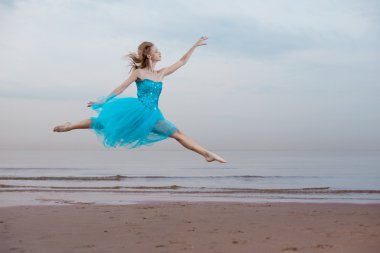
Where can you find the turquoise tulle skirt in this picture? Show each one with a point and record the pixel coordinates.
(127, 122)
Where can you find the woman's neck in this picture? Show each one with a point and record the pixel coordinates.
(151, 67)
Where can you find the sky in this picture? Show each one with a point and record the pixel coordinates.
(276, 74)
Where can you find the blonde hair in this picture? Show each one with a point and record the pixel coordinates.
(140, 59)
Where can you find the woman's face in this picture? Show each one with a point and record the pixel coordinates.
(155, 54)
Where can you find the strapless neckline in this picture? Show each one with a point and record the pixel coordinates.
(141, 80)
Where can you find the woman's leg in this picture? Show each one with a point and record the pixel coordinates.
(192, 145)
(84, 124)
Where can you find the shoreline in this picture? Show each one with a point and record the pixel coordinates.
(192, 226)
(46, 198)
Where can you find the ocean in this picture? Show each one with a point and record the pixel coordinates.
(121, 176)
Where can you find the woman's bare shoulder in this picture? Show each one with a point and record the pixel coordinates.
(138, 73)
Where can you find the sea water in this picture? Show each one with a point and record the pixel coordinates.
(120, 176)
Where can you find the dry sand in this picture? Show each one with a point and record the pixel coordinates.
(191, 226)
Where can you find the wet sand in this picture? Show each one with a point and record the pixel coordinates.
(192, 226)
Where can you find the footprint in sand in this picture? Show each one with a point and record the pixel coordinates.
(237, 241)
(87, 246)
(323, 246)
(14, 248)
(215, 230)
(289, 249)
(308, 230)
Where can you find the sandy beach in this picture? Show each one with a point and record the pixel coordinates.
(192, 226)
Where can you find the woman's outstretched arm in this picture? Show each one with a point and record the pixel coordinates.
(169, 70)
(118, 90)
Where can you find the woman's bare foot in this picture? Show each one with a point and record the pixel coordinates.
(214, 157)
(62, 128)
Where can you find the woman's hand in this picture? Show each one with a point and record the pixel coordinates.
(200, 42)
(185, 58)
(89, 104)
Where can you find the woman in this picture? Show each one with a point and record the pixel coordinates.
(133, 122)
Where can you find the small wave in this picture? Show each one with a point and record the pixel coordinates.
(97, 178)
(184, 189)
(120, 177)
(95, 187)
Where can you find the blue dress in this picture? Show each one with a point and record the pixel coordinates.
(132, 122)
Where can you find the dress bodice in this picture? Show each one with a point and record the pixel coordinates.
(148, 92)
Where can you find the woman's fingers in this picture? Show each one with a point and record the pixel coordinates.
(200, 41)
